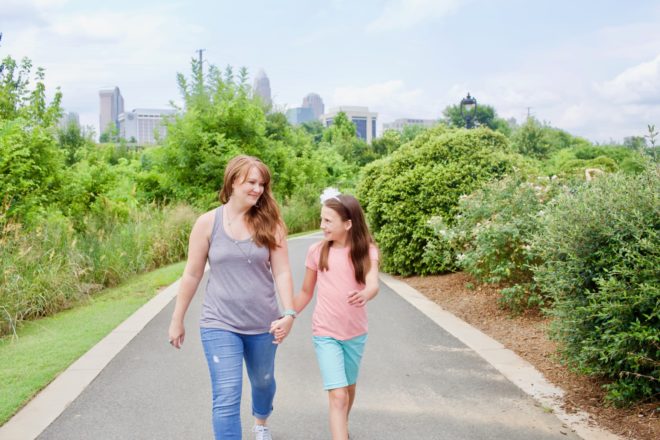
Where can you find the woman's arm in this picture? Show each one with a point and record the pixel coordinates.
(281, 270)
(198, 249)
(359, 298)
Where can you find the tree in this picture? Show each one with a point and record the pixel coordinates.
(485, 116)
(71, 140)
(389, 142)
(30, 160)
(315, 129)
(17, 100)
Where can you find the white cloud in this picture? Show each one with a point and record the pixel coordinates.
(639, 84)
(404, 14)
(390, 99)
(139, 50)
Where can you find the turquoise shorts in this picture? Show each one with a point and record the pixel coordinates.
(339, 360)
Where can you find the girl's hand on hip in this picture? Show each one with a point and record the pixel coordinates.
(358, 298)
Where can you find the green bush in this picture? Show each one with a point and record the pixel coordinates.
(492, 234)
(601, 252)
(423, 179)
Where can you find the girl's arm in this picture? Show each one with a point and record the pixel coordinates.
(306, 292)
(299, 303)
(198, 249)
(359, 298)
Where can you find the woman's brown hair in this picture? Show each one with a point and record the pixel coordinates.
(359, 237)
(264, 218)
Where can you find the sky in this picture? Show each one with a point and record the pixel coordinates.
(589, 67)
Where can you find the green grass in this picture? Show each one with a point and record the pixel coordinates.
(300, 234)
(46, 347)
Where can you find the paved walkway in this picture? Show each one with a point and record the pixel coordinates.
(418, 381)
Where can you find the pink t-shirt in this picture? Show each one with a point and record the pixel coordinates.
(333, 316)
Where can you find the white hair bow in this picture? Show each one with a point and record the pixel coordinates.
(329, 193)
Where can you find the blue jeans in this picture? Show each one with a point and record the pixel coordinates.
(225, 352)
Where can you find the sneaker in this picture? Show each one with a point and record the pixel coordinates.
(262, 433)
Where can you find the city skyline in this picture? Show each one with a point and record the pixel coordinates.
(590, 68)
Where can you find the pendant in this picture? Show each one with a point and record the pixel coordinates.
(249, 261)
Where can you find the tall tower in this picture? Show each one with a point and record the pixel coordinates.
(314, 102)
(262, 87)
(111, 105)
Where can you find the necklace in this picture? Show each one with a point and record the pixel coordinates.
(247, 254)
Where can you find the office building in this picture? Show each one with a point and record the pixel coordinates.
(262, 87)
(314, 102)
(364, 120)
(111, 106)
(298, 115)
(68, 118)
(144, 126)
(399, 124)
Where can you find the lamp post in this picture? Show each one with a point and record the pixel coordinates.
(469, 110)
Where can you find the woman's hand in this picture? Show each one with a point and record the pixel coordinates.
(177, 333)
(280, 329)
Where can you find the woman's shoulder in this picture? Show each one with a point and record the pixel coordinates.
(208, 217)
(205, 222)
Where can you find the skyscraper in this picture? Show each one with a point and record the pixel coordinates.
(314, 102)
(111, 106)
(262, 87)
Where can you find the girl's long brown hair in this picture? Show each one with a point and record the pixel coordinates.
(264, 218)
(359, 237)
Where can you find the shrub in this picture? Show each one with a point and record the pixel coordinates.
(601, 253)
(422, 179)
(492, 236)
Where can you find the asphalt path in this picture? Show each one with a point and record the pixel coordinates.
(417, 382)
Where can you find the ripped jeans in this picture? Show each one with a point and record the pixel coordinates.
(225, 352)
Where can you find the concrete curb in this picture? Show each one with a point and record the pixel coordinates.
(41, 411)
(517, 370)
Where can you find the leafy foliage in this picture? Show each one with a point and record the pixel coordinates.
(492, 235)
(540, 140)
(600, 252)
(423, 179)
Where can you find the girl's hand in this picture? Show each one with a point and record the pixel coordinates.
(177, 334)
(280, 329)
(358, 298)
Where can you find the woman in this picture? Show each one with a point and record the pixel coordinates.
(244, 242)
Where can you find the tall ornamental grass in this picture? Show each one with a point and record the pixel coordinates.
(52, 266)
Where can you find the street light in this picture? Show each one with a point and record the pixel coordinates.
(469, 110)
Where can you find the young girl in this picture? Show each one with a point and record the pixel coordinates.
(344, 265)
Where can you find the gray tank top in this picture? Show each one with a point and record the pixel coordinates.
(240, 292)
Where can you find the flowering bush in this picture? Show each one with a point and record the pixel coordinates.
(492, 234)
(599, 248)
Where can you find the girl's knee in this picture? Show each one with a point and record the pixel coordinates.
(339, 398)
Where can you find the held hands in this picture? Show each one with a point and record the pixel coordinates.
(280, 328)
(358, 298)
(177, 334)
